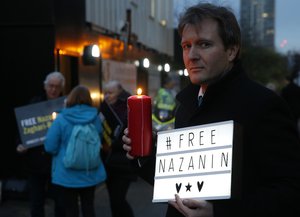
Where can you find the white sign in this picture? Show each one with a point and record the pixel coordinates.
(194, 162)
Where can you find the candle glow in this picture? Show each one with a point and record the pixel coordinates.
(54, 114)
(139, 91)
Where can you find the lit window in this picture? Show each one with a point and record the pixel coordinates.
(152, 8)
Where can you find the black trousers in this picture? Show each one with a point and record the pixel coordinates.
(39, 189)
(75, 196)
(117, 189)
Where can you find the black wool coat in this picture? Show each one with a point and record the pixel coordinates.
(116, 162)
(37, 160)
(270, 178)
(291, 93)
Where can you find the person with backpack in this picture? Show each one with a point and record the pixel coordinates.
(73, 140)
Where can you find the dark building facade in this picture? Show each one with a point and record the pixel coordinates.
(42, 36)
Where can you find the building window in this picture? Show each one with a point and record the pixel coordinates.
(152, 9)
(265, 15)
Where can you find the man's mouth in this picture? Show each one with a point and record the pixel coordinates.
(196, 69)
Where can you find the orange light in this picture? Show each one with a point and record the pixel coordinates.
(139, 91)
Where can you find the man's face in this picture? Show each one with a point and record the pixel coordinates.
(53, 88)
(111, 94)
(204, 54)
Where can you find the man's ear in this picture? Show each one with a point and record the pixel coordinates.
(232, 52)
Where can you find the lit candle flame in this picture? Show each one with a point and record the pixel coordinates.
(139, 91)
(54, 114)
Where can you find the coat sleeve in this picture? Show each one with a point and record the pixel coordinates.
(278, 162)
(271, 183)
(53, 137)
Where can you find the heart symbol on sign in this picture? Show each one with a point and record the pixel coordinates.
(178, 186)
(200, 185)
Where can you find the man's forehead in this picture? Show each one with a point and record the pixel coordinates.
(201, 22)
(112, 89)
(54, 81)
(207, 26)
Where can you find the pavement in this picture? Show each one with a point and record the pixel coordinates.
(139, 196)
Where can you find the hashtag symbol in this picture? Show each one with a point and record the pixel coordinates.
(168, 143)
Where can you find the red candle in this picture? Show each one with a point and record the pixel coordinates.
(140, 124)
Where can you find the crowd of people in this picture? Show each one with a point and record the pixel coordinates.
(211, 44)
(47, 174)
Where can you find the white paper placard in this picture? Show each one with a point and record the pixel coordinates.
(194, 162)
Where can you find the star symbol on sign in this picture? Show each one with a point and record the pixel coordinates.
(188, 187)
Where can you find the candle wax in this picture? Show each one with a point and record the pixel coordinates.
(140, 125)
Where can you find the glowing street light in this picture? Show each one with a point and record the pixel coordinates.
(146, 63)
(167, 67)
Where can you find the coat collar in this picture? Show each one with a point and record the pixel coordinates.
(189, 94)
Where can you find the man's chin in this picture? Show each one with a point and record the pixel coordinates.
(52, 97)
(197, 81)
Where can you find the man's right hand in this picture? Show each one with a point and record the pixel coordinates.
(126, 145)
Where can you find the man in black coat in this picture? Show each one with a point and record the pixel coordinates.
(38, 162)
(291, 93)
(211, 41)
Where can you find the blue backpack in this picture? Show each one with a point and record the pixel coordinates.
(83, 149)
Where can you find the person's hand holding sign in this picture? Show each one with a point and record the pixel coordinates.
(21, 148)
(192, 208)
(188, 207)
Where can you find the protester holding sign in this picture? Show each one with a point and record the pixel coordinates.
(38, 162)
(120, 172)
(76, 180)
(270, 156)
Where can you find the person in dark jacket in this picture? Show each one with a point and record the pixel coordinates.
(38, 162)
(211, 41)
(291, 93)
(120, 172)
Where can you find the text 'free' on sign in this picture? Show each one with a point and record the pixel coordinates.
(194, 162)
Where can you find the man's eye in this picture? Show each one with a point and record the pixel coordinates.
(185, 46)
(205, 45)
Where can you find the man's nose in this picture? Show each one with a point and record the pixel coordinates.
(194, 53)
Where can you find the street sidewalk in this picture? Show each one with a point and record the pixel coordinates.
(139, 196)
